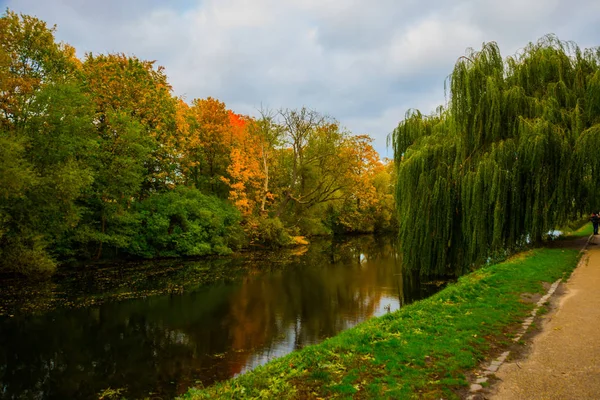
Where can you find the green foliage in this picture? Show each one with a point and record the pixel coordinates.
(118, 170)
(271, 232)
(15, 173)
(27, 256)
(512, 157)
(126, 87)
(110, 393)
(577, 229)
(311, 224)
(45, 135)
(184, 222)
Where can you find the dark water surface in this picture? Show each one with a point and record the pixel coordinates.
(154, 329)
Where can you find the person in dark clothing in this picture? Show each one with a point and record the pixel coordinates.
(595, 218)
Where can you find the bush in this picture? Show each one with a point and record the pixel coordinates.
(26, 257)
(270, 232)
(185, 222)
(313, 226)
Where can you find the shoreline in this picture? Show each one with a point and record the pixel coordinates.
(426, 349)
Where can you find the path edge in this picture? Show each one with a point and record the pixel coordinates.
(476, 387)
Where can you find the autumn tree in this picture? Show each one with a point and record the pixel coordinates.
(269, 134)
(128, 121)
(136, 89)
(245, 174)
(45, 136)
(99, 155)
(30, 59)
(207, 153)
(368, 203)
(315, 175)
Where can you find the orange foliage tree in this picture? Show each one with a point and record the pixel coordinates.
(245, 175)
(206, 153)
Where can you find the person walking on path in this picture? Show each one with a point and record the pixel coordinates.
(595, 218)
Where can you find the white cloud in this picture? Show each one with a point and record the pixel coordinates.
(430, 43)
(363, 62)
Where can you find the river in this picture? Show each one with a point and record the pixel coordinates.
(154, 329)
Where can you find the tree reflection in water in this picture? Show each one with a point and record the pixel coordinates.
(163, 344)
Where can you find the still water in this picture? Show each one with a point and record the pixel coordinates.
(155, 329)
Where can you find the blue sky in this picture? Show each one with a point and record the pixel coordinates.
(363, 62)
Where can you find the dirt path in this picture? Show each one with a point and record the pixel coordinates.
(564, 359)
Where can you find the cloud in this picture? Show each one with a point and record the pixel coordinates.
(362, 62)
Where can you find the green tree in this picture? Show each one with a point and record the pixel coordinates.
(315, 163)
(124, 86)
(135, 124)
(513, 156)
(45, 134)
(120, 172)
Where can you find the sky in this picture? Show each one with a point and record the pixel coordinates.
(362, 62)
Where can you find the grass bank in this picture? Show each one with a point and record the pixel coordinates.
(421, 351)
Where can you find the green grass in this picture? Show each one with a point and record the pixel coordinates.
(578, 229)
(422, 351)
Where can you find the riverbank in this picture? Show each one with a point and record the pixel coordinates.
(157, 346)
(96, 284)
(425, 350)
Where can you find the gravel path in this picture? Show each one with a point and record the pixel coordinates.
(564, 360)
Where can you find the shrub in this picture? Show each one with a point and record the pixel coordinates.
(28, 257)
(270, 232)
(185, 222)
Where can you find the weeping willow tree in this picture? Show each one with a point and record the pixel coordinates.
(514, 154)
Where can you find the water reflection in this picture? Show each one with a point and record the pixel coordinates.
(161, 345)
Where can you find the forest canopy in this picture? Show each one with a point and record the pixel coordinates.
(98, 158)
(513, 155)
